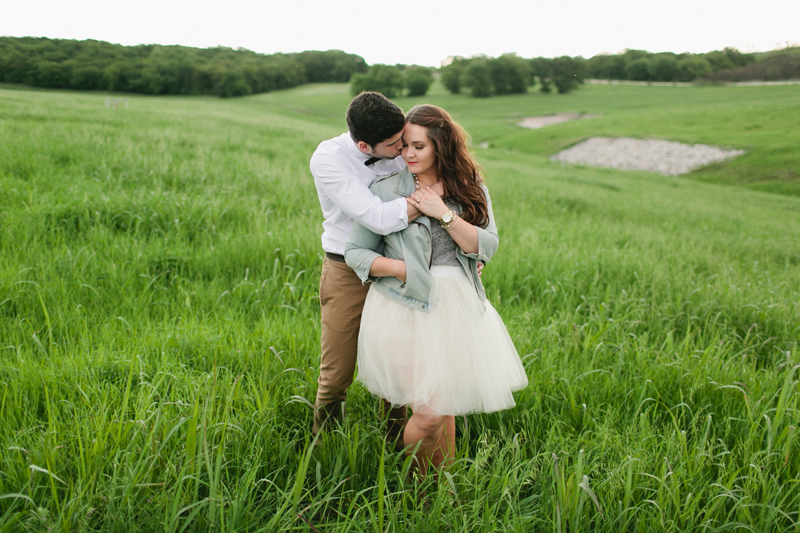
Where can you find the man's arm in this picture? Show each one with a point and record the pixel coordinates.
(335, 178)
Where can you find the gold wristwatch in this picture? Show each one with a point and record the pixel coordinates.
(448, 219)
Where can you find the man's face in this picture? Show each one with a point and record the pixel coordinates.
(390, 148)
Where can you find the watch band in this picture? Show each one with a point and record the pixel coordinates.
(453, 218)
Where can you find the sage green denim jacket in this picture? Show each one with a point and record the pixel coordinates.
(412, 245)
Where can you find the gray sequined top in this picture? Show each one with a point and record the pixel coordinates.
(444, 247)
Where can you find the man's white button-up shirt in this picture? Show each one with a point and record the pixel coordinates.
(342, 180)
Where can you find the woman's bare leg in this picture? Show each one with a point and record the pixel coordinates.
(436, 437)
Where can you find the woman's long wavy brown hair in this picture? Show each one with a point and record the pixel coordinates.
(460, 174)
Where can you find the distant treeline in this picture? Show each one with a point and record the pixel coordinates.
(509, 74)
(718, 66)
(482, 76)
(154, 69)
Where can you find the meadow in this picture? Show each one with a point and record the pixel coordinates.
(159, 314)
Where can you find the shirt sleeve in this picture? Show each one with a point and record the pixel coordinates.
(339, 183)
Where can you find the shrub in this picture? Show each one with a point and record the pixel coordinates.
(782, 65)
(418, 80)
(478, 77)
(779, 65)
(384, 79)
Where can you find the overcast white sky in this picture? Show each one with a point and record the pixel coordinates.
(423, 32)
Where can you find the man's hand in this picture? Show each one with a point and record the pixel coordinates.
(480, 268)
(413, 212)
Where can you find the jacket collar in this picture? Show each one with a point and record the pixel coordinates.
(405, 183)
(405, 187)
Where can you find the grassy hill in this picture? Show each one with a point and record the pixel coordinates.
(159, 315)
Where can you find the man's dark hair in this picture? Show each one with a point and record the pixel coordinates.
(373, 118)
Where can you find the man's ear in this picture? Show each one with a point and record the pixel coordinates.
(364, 147)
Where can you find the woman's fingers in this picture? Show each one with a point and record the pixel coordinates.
(428, 201)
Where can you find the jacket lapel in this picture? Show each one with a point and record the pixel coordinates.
(405, 183)
(405, 187)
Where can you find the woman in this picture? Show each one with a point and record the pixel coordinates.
(429, 338)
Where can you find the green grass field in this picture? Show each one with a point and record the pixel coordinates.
(159, 321)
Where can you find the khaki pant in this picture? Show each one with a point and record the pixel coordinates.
(341, 297)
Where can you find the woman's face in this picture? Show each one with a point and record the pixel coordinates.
(418, 153)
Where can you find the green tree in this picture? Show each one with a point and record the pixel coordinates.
(418, 80)
(662, 67)
(385, 79)
(718, 60)
(630, 55)
(86, 78)
(737, 58)
(330, 66)
(543, 70)
(510, 74)
(567, 73)
(607, 67)
(691, 68)
(153, 69)
(231, 82)
(638, 70)
(478, 78)
(453, 74)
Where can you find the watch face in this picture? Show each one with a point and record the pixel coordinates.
(446, 218)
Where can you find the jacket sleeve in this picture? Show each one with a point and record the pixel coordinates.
(360, 251)
(487, 237)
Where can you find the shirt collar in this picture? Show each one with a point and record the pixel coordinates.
(352, 146)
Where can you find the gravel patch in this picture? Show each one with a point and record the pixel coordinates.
(651, 155)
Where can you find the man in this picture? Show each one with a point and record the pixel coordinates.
(343, 169)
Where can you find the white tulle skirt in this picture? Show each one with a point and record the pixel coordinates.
(452, 360)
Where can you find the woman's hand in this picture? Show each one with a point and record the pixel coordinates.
(429, 202)
(384, 267)
(400, 270)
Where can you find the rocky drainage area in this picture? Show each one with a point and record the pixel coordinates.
(650, 155)
(625, 153)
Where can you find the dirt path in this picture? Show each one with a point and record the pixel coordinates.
(535, 123)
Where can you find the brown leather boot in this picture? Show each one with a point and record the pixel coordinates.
(326, 415)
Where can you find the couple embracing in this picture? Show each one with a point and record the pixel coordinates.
(408, 225)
